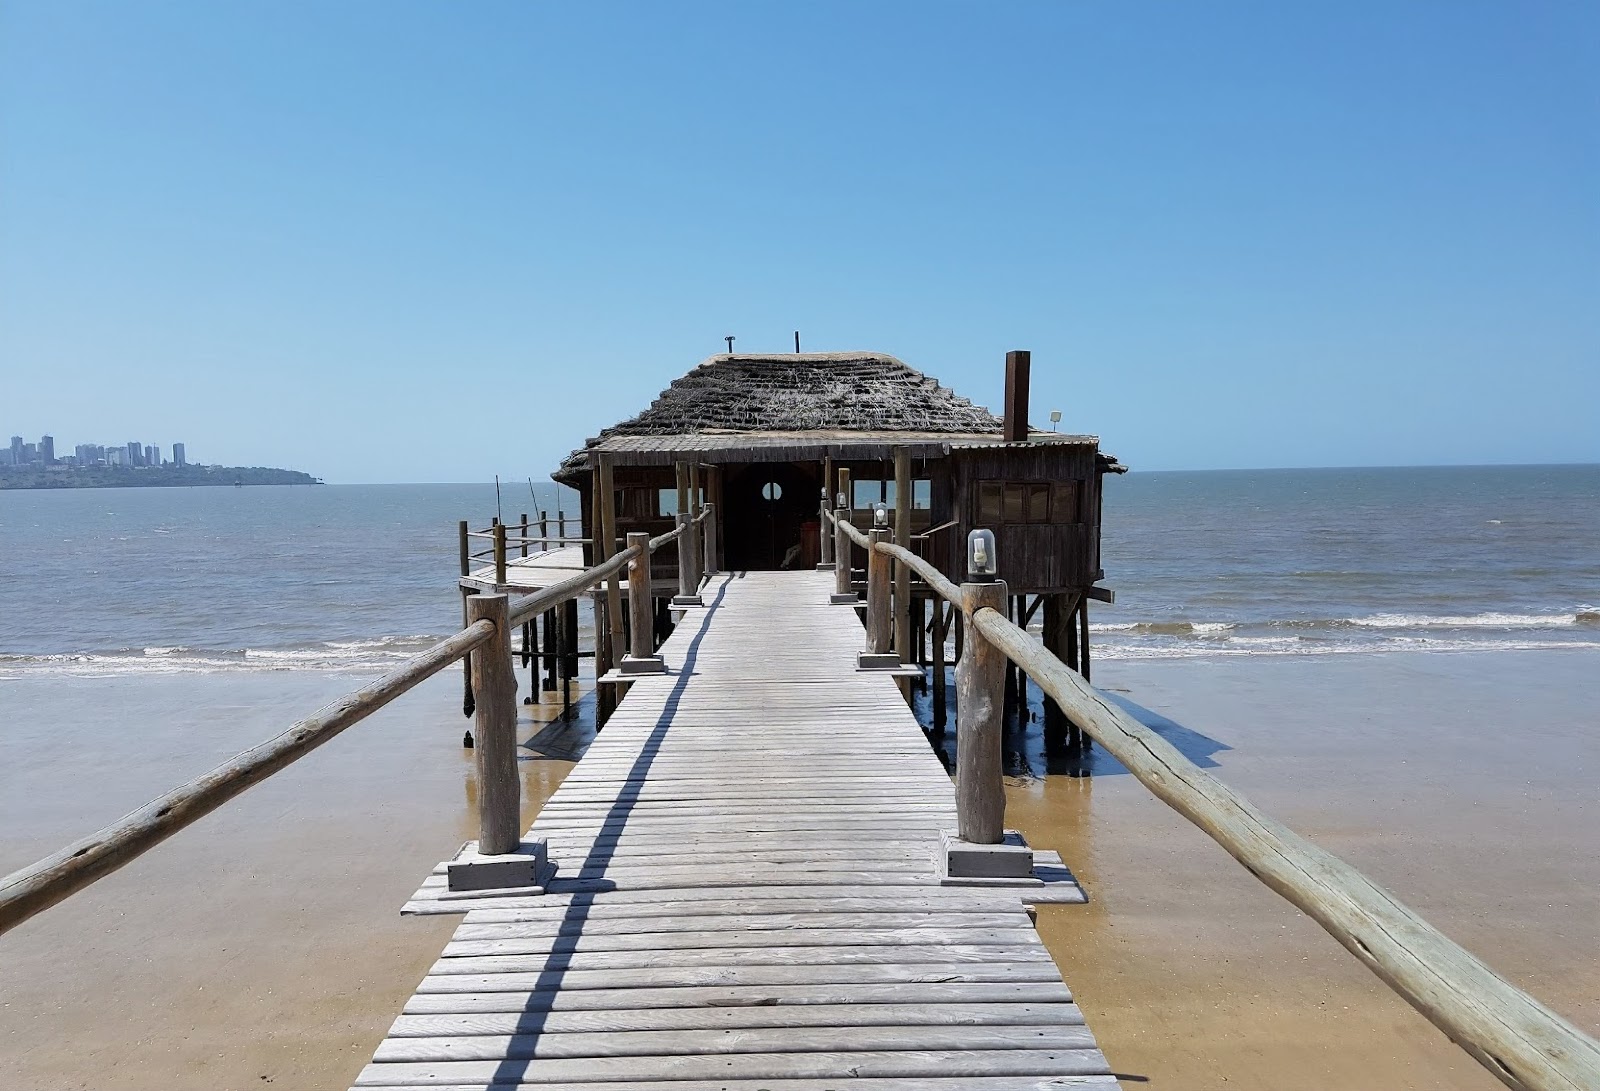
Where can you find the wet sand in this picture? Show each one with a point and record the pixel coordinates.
(1462, 783)
(263, 946)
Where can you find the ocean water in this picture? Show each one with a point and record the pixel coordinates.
(1220, 563)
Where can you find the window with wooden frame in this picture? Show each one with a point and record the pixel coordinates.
(1022, 502)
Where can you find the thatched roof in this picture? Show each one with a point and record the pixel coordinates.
(840, 395)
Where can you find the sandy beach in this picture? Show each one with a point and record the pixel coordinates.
(264, 947)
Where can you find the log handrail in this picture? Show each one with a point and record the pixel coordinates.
(32, 889)
(36, 887)
(1522, 1042)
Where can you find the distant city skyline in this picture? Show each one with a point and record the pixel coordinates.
(131, 455)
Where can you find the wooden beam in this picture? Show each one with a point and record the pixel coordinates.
(878, 594)
(493, 680)
(1016, 410)
(902, 538)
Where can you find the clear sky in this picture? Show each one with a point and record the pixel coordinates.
(389, 241)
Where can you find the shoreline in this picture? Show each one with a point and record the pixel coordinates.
(265, 943)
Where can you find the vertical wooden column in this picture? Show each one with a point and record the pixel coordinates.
(599, 501)
(1083, 638)
(544, 531)
(467, 703)
(714, 496)
(980, 682)
(608, 512)
(825, 539)
(841, 555)
(939, 700)
(695, 508)
(641, 622)
(548, 648)
(569, 658)
(902, 573)
(500, 554)
(710, 562)
(1060, 640)
(499, 787)
(877, 594)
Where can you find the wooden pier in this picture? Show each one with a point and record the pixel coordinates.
(762, 875)
(746, 891)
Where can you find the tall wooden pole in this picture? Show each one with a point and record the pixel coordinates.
(877, 593)
(939, 699)
(467, 704)
(824, 539)
(841, 552)
(500, 554)
(604, 696)
(641, 621)
(499, 788)
(710, 562)
(608, 512)
(902, 538)
(980, 687)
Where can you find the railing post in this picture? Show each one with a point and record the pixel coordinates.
(466, 660)
(842, 592)
(499, 788)
(824, 536)
(902, 574)
(688, 584)
(980, 688)
(641, 657)
(500, 554)
(524, 535)
(877, 593)
(544, 531)
(712, 563)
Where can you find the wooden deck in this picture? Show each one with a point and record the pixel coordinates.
(746, 897)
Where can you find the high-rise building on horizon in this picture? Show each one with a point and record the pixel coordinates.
(16, 450)
(152, 455)
(180, 457)
(47, 450)
(135, 453)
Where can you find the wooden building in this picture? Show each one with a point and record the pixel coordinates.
(768, 438)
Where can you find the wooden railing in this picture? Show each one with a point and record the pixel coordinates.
(484, 642)
(1518, 1039)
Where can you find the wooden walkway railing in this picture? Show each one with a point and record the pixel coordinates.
(1518, 1039)
(485, 642)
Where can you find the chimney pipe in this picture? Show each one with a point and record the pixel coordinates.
(1016, 418)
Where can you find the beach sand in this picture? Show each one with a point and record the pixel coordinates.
(263, 946)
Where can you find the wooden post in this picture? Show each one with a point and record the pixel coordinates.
(467, 704)
(902, 538)
(695, 508)
(1060, 641)
(980, 681)
(526, 526)
(841, 552)
(824, 539)
(1083, 637)
(877, 594)
(686, 585)
(714, 497)
(561, 524)
(599, 501)
(608, 514)
(938, 664)
(548, 648)
(641, 623)
(709, 553)
(500, 554)
(499, 787)
(544, 531)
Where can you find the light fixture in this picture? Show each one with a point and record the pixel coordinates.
(1055, 419)
(838, 501)
(880, 514)
(982, 565)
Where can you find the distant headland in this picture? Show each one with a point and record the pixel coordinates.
(119, 466)
(116, 477)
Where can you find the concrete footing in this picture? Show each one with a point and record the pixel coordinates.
(1011, 859)
(642, 664)
(472, 870)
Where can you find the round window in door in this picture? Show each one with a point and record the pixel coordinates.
(772, 490)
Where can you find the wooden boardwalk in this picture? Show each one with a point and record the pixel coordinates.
(746, 897)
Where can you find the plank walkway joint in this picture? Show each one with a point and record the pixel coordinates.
(746, 896)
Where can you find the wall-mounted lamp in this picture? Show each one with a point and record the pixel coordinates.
(839, 501)
(880, 514)
(982, 565)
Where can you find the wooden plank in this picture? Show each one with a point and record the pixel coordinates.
(747, 1066)
(731, 1018)
(711, 1043)
(965, 1083)
(564, 957)
(705, 997)
(668, 977)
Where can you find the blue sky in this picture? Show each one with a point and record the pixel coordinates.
(434, 242)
